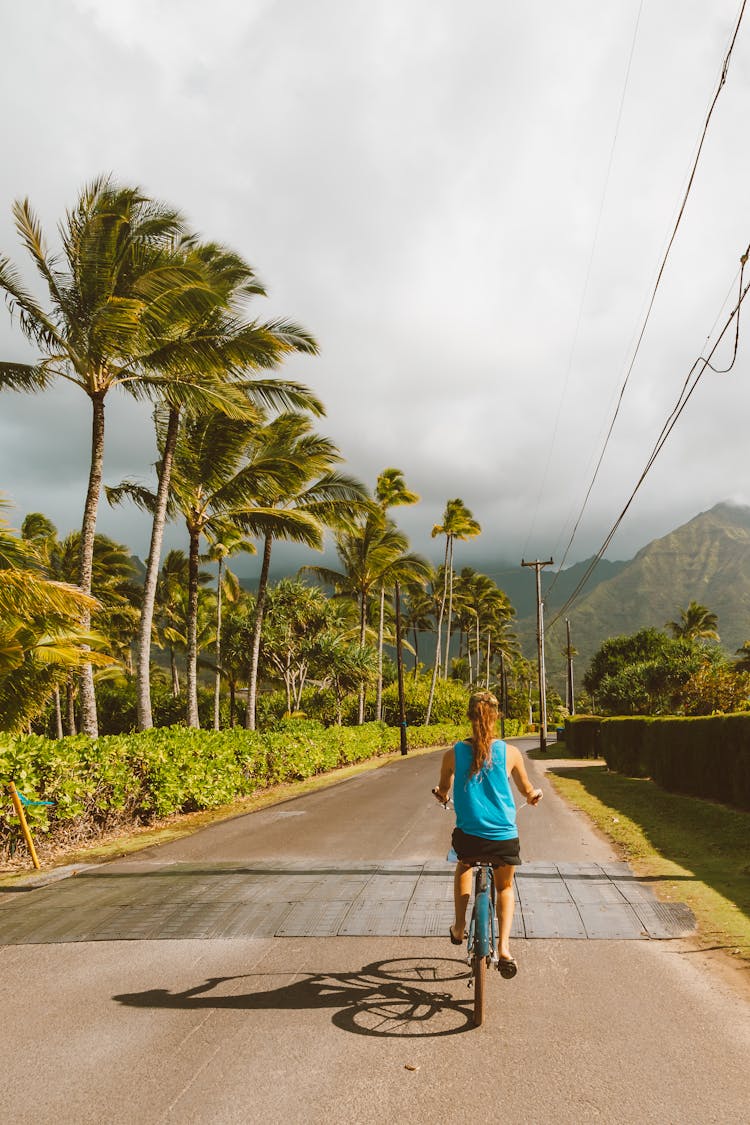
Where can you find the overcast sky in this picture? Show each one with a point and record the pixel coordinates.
(440, 192)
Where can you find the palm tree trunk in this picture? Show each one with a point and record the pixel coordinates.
(192, 631)
(89, 721)
(379, 699)
(58, 715)
(416, 652)
(260, 607)
(70, 706)
(436, 665)
(362, 635)
(143, 675)
(479, 648)
(487, 671)
(217, 685)
(446, 665)
(232, 697)
(175, 674)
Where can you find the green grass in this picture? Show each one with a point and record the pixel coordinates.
(556, 750)
(695, 851)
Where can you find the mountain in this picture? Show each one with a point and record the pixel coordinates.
(705, 560)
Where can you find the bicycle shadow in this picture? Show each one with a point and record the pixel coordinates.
(401, 998)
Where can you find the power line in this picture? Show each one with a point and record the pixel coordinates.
(691, 382)
(722, 80)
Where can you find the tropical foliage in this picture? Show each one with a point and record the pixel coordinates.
(136, 301)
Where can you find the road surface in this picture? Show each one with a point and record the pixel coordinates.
(355, 1029)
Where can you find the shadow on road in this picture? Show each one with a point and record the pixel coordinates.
(401, 998)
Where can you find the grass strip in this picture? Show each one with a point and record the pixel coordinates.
(696, 851)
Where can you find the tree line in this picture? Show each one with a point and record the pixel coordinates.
(134, 300)
(680, 670)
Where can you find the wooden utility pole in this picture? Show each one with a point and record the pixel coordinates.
(569, 681)
(539, 566)
(503, 694)
(400, 667)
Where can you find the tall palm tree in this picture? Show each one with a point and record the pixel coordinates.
(205, 365)
(458, 523)
(297, 506)
(419, 613)
(390, 491)
(364, 554)
(223, 542)
(170, 614)
(697, 623)
(112, 295)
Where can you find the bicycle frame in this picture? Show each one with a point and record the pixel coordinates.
(482, 940)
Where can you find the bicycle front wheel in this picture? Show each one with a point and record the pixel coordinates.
(479, 969)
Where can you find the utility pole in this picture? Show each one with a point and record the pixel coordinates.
(539, 566)
(569, 682)
(400, 666)
(503, 694)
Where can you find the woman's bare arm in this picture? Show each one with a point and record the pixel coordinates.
(520, 777)
(447, 768)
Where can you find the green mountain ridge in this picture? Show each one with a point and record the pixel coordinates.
(706, 560)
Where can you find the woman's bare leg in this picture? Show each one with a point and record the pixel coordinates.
(461, 895)
(505, 906)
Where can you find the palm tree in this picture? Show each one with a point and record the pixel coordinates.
(170, 611)
(390, 492)
(224, 541)
(419, 612)
(215, 482)
(113, 293)
(458, 523)
(296, 506)
(697, 623)
(365, 555)
(40, 636)
(205, 366)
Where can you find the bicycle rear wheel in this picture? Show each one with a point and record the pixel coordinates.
(479, 969)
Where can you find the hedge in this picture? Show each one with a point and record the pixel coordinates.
(582, 734)
(705, 757)
(121, 781)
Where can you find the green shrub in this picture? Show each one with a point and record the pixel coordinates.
(119, 780)
(582, 733)
(705, 757)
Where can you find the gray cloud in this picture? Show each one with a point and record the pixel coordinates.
(421, 190)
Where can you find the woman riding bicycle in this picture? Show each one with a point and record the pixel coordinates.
(480, 768)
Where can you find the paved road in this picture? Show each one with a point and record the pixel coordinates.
(311, 1030)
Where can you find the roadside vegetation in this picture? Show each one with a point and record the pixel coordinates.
(112, 785)
(695, 851)
(135, 301)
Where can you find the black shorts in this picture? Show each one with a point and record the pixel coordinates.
(504, 853)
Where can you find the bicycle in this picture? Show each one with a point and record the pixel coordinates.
(482, 940)
(483, 933)
(481, 943)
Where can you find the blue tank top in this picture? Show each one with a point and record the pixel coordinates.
(484, 803)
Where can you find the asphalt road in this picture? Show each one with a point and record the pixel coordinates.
(368, 1029)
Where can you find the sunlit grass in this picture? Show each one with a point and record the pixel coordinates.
(699, 851)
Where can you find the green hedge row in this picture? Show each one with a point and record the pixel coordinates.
(582, 735)
(704, 757)
(122, 780)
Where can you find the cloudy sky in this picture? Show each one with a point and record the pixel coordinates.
(466, 203)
